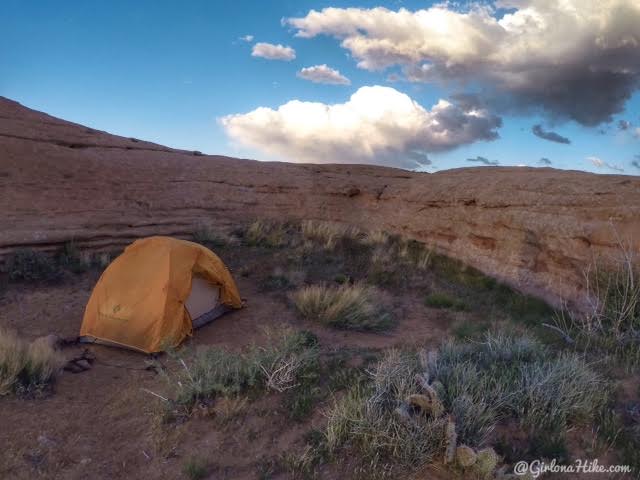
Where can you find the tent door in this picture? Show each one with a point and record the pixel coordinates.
(203, 303)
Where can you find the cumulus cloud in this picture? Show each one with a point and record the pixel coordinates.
(323, 74)
(599, 163)
(247, 38)
(273, 52)
(538, 131)
(484, 160)
(575, 59)
(544, 161)
(376, 125)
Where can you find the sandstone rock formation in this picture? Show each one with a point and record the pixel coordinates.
(536, 229)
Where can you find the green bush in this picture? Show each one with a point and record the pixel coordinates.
(213, 371)
(475, 386)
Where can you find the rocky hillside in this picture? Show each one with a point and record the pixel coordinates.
(536, 229)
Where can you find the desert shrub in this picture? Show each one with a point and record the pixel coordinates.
(73, 259)
(366, 417)
(612, 323)
(354, 307)
(265, 233)
(213, 371)
(205, 235)
(442, 300)
(31, 266)
(326, 234)
(515, 376)
(404, 413)
(26, 368)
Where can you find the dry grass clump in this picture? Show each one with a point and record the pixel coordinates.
(326, 234)
(267, 233)
(26, 368)
(354, 307)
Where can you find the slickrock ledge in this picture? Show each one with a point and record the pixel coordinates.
(535, 228)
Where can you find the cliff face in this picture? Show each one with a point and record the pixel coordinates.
(536, 229)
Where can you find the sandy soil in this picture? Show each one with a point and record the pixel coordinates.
(100, 424)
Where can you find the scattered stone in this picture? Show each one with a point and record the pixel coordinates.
(465, 456)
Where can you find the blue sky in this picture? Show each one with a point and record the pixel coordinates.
(167, 72)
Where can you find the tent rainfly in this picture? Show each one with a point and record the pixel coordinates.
(155, 293)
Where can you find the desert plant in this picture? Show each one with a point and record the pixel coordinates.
(26, 368)
(32, 266)
(611, 323)
(355, 307)
(417, 407)
(205, 235)
(515, 376)
(212, 371)
(326, 234)
(265, 233)
(373, 419)
(73, 259)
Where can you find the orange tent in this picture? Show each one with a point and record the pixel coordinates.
(152, 295)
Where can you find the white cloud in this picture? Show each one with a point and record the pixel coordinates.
(273, 52)
(247, 38)
(376, 125)
(323, 74)
(558, 55)
(599, 163)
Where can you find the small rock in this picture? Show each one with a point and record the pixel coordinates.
(73, 368)
(83, 363)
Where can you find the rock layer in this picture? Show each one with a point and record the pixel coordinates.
(536, 229)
